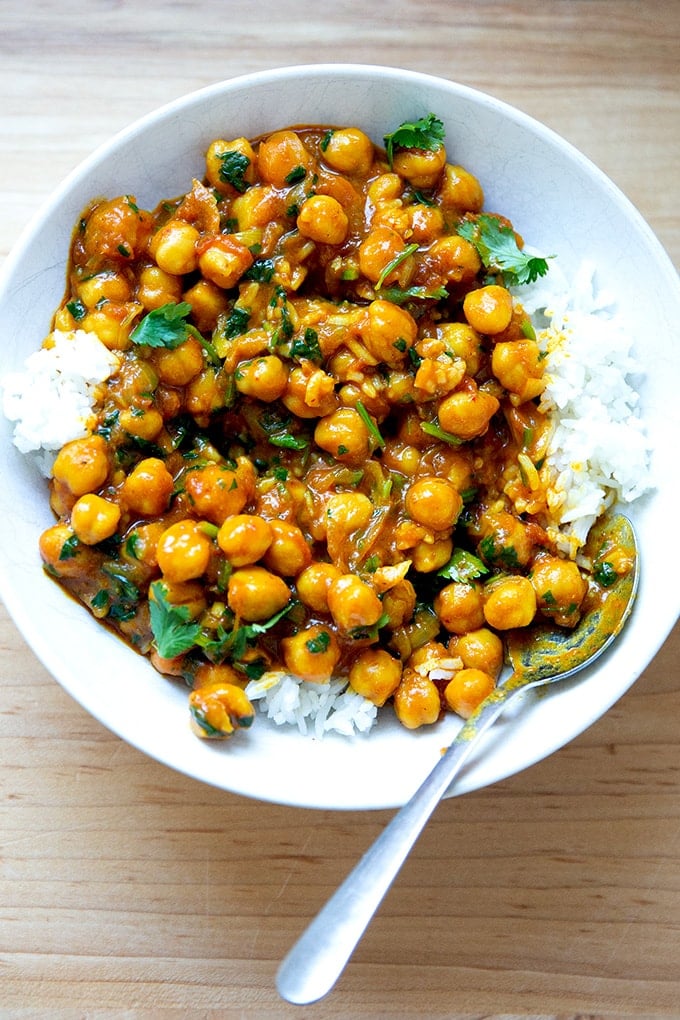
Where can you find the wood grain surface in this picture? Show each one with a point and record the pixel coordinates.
(128, 890)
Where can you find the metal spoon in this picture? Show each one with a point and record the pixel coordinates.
(316, 961)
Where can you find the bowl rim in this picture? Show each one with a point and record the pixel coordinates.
(177, 107)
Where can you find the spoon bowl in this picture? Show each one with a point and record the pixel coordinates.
(543, 656)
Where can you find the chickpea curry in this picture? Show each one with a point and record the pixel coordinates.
(319, 453)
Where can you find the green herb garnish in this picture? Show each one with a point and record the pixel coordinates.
(167, 327)
(307, 346)
(426, 133)
(395, 263)
(233, 166)
(497, 247)
(463, 566)
(373, 429)
(319, 643)
(605, 574)
(437, 432)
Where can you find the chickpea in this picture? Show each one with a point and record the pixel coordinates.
(313, 583)
(479, 649)
(312, 654)
(310, 392)
(264, 378)
(61, 559)
(288, 552)
(94, 519)
(208, 302)
(260, 204)
(244, 539)
(510, 602)
(375, 674)
(427, 557)
(116, 229)
(433, 502)
(344, 435)
(466, 691)
(559, 586)
(353, 603)
(141, 544)
(218, 708)
(173, 246)
(155, 288)
(385, 188)
(183, 551)
(460, 607)
(349, 151)
(215, 492)
(421, 167)
(82, 465)
(217, 160)
(401, 457)
(466, 413)
(463, 342)
(280, 156)
(148, 488)
(346, 512)
(488, 309)
(205, 393)
(105, 286)
(426, 223)
(388, 332)
(143, 422)
(224, 261)
(323, 219)
(455, 258)
(416, 701)
(254, 594)
(111, 324)
(380, 247)
(459, 190)
(506, 539)
(398, 604)
(518, 366)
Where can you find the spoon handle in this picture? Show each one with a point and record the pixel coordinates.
(317, 959)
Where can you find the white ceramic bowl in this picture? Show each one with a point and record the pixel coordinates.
(560, 203)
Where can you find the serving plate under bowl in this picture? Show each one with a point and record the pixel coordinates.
(561, 204)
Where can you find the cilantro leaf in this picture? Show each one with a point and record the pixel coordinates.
(233, 166)
(426, 133)
(166, 326)
(171, 627)
(498, 249)
(463, 566)
(307, 346)
(395, 263)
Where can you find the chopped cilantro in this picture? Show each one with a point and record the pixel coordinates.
(605, 574)
(463, 566)
(319, 643)
(307, 346)
(233, 166)
(296, 175)
(237, 322)
(70, 548)
(261, 271)
(77, 309)
(437, 432)
(373, 429)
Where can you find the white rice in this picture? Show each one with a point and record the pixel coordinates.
(598, 453)
(315, 709)
(52, 399)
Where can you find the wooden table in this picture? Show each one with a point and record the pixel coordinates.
(125, 887)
